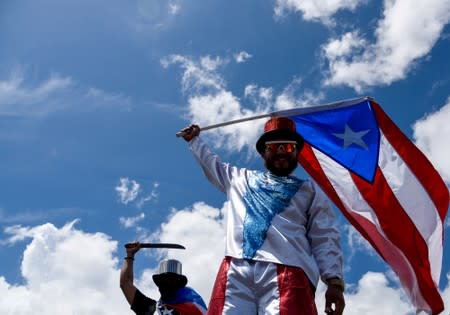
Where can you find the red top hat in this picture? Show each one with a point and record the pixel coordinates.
(279, 128)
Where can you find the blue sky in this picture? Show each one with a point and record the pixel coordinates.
(92, 94)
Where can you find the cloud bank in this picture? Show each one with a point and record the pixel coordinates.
(127, 190)
(19, 97)
(315, 10)
(210, 102)
(69, 271)
(406, 33)
(65, 271)
(431, 134)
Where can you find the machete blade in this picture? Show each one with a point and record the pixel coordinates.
(158, 245)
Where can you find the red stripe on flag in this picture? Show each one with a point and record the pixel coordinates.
(392, 256)
(186, 308)
(401, 231)
(309, 162)
(417, 162)
(366, 228)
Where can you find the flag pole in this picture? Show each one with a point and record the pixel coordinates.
(286, 113)
(231, 122)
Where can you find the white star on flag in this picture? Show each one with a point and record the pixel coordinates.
(166, 311)
(349, 136)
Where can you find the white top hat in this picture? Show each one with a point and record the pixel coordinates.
(170, 265)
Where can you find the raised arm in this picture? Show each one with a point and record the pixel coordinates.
(217, 172)
(126, 273)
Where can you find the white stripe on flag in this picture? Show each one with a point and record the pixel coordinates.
(345, 188)
(420, 209)
(356, 206)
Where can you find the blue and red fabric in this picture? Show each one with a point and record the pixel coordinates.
(384, 185)
(187, 302)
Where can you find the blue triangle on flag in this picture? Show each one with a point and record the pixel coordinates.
(348, 135)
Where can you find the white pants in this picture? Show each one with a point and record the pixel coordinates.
(248, 287)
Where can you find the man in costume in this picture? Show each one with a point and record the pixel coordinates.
(281, 231)
(176, 297)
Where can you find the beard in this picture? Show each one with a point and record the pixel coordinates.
(281, 165)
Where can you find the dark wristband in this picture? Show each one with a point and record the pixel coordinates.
(337, 282)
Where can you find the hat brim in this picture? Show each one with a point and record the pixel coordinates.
(181, 280)
(283, 134)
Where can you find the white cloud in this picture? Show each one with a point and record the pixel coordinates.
(174, 8)
(406, 33)
(17, 232)
(374, 294)
(131, 221)
(205, 253)
(127, 190)
(222, 107)
(100, 98)
(153, 195)
(21, 98)
(210, 103)
(210, 64)
(344, 46)
(204, 239)
(80, 272)
(261, 96)
(154, 16)
(291, 98)
(66, 271)
(315, 10)
(365, 296)
(431, 134)
(250, 90)
(242, 56)
(27, 216)
(356, 243)
(199, 76)
(18, 99)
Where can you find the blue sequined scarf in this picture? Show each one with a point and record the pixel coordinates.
(267, 195)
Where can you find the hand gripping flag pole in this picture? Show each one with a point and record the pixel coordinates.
(382, 183)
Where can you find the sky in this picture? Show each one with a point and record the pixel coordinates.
(92, 94)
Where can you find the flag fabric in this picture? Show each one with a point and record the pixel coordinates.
(384, 185)
(186, 302)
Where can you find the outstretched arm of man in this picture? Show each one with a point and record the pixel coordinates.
(126, 273)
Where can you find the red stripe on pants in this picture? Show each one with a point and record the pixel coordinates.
(296, 295)
(218, 294)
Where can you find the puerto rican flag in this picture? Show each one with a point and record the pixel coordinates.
(186, 302)
(384, 186)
